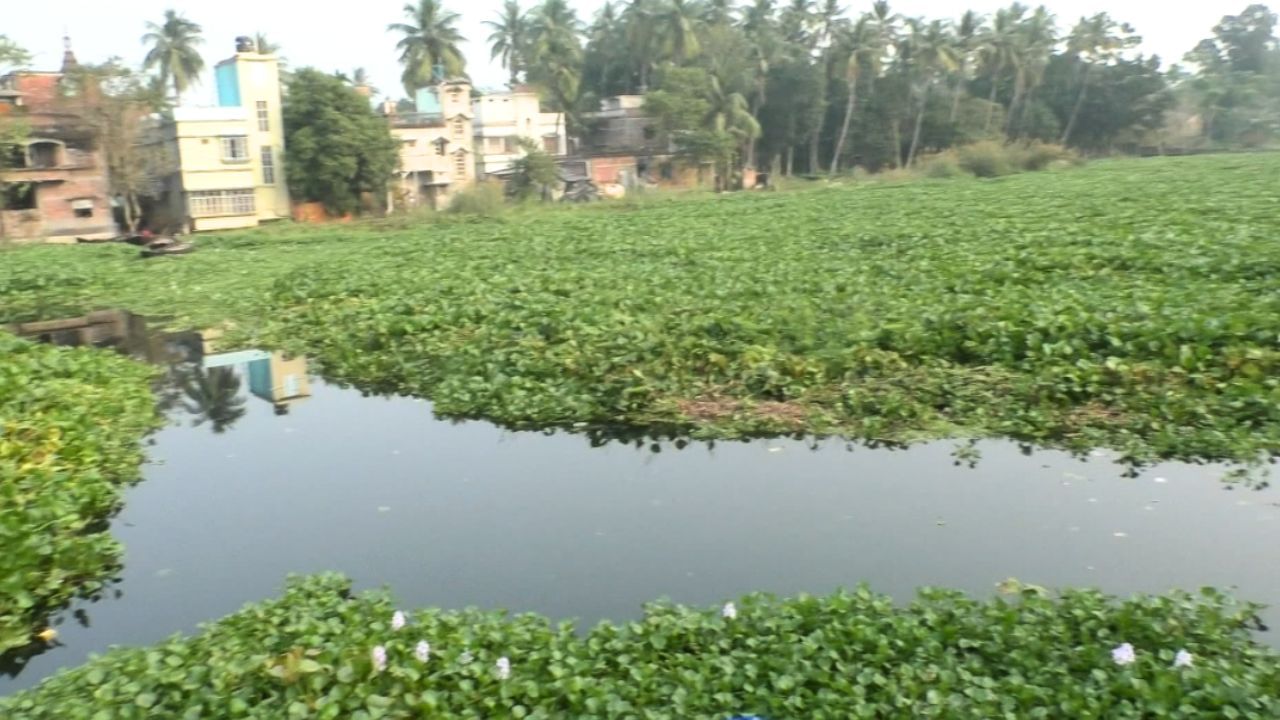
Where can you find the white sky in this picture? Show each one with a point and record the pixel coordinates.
(354, 34)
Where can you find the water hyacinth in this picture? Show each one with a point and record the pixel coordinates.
(422, 651)
(379, 657)
(465, 658)
(502, 668)
(1123, 654)
(729, 611)
(398, 620)
(1183, 659)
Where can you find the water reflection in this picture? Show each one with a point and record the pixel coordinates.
(452, 513)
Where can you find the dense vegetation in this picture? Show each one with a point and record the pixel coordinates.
(1129, 304)
(319, 653)
(70, 426)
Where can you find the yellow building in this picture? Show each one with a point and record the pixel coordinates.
(223, 167)
(437, 157)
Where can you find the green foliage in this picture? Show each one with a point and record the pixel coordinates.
(173, 52)
(986, 159)
(70, 426)
(338, 150)
(534, 173)
(851, 654)
(481, 199)
(1129, 304)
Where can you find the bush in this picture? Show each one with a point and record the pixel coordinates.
(71, 421)
(484, 199)
(943, 166)
(1035, 156)
(319, 653)
(986, 159)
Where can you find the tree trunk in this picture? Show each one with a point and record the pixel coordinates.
(791, 160)
(814, 166)
(844, 126)
(955, 97)
(1075, 111)
(897, 143)
(915, 136)
(991, 107)
(1018, 92)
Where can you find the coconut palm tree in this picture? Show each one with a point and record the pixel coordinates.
(932, 54)
(1094, 40)
(999, 51)
(967, 33)
(173, 51)
(1037, 36)
(509, 40)
(862, 42)
(556, 54)
(429, 43)
(678, 22)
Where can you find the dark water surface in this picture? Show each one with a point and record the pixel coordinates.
(306, 477)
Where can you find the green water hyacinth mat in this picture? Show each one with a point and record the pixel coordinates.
(321, 652)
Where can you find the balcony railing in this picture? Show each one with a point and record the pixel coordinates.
(411, 120)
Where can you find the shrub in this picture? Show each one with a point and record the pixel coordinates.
(70, 425)
(942, 166)
(986, 159)
(319, 653)
(1035, 155)
(483, 199)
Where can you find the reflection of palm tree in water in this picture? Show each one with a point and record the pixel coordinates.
(213, 394)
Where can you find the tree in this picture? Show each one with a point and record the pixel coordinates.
(509, 41)
(967, 34)
(932, 53)
(337, 149)
(173, 51)
(862, 43)
(114, 100)
(532, 173)
(1248, 39)
(678, 22)
(13, 132)
(999, 51)
(429, 44)
(557, 56)
(264, 45)
(1095, 40)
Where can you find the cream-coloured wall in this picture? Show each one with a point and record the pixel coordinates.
(199, 150)
(225, 222)
(510, 115)
(259, 78)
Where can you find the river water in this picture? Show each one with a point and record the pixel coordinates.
(264, 470)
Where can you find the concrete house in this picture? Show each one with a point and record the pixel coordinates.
(437, 157)
(223, 167)
(56, 180)
(502, 118)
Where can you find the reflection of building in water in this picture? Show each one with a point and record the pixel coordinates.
(119, 330)
(273, 376)
(280, 380)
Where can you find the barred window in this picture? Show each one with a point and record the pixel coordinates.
(268, 166)
(264, 122)
(206, 203)
(460, 166)
(235, 148)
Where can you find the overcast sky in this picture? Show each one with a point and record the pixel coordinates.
(355, 34)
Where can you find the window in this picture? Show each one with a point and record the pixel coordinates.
(235, 148)
(264, 120)
(440, 144)
(44, 154)
(494, 145)
(460, 166)
(268, 166)
(510, 145)
(551, 144)
(459, 129)
(220, 202)
(83, 208)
